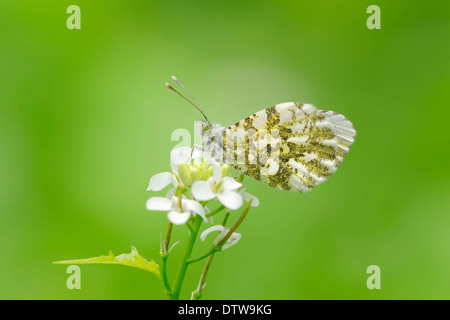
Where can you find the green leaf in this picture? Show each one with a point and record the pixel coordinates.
(132, 259)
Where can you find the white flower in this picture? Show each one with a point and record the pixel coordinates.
(176, 215)
(161, 180)
(247, 196)
(217, 186)
(232, 240)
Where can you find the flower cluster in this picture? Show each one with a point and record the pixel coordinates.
(196, 182)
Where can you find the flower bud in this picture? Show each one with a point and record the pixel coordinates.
(197, 161)
(208, 172)
(226, 170)
(188, 173)
(204, 165)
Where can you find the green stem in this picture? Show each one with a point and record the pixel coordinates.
(165, 280)
(212, 213)
(236, 225)
(197, 294)
(164, 255)
(210, 252)
(168, 234)
(213, 249)
(225, 218)
(187, 254)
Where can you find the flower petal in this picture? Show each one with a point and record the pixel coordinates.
(230, 184)
(232, 240)
(178, 218)
(198, 151)
(171, 193)
(211, 229)
(247, 196)
(217, 171)
(230, 199)
(201, 190)
(173, 246)
(179, 154)
(158, 204)
(159, 181)
(175, 180)
(196, 207)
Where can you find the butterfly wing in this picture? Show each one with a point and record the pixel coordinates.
(303, 145)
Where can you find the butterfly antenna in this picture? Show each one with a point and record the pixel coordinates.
(181, 85)
(199, 109)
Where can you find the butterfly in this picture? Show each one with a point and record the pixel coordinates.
(289, 146)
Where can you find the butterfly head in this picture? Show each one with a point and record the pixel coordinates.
(210, 132)
(205, 127)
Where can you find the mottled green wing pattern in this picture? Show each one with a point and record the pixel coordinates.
(303, 145)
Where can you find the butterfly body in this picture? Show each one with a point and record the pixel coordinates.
(290, 146)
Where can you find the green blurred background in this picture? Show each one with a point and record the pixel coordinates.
(86, 121)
